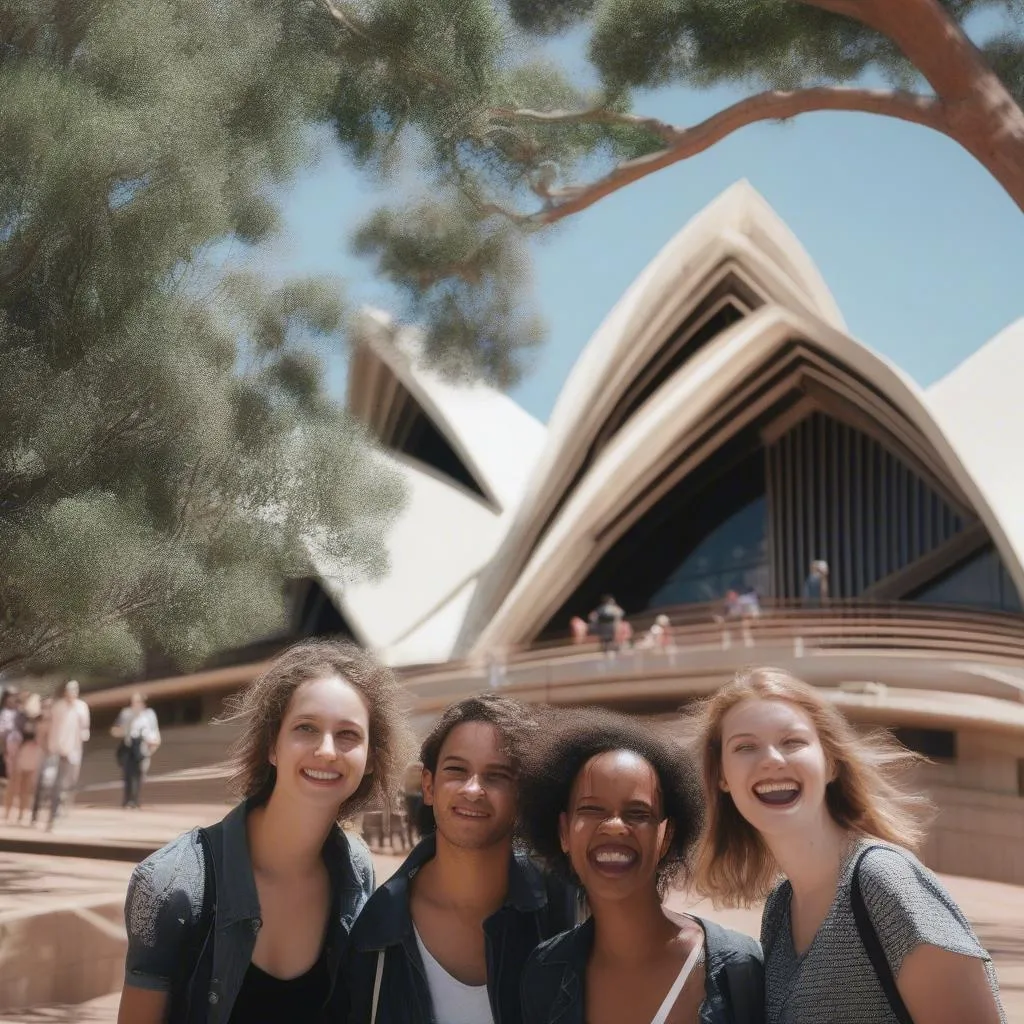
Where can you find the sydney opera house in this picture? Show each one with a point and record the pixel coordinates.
(720, 431)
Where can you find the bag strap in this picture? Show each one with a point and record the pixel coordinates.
(376, 985)
(873, 946)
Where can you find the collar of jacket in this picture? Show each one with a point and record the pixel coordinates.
(572, 949)
(237, 899)
(386, 921)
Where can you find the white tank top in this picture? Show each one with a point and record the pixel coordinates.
(454, 1002)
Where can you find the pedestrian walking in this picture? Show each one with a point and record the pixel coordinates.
(139, 732)
(68, 734)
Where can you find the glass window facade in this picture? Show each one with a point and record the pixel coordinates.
(980, 582)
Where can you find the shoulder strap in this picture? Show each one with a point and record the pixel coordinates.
(873, 946)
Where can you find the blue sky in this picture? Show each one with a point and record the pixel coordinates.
(921, 248)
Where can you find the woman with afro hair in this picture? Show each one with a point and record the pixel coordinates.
(615, 805)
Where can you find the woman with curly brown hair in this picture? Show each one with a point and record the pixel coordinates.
(616, 805)
(857, 929)
(246, 922)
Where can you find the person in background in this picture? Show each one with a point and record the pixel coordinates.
(67, 736)
(139, 732)
(412, 791)
(9, 708)
(24, 753)
(857, 929)
(247, 921)
(816, 585)
(446, 937)
(604, 620)
(579, 630)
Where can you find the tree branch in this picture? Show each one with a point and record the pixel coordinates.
(687, 142)
(598, 115)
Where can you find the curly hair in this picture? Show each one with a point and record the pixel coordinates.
(262, 706)
(734, 865)
(512, 721)
(576, 737)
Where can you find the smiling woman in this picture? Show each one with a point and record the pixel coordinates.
(277, 882)
(615, 804)
(857, 929)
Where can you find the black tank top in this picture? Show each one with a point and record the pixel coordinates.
(265, 999)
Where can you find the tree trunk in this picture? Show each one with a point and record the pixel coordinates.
(978, 109)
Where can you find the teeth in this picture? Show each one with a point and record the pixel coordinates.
(614, 857)
(470, 814)
(322, 776)
(776, 787)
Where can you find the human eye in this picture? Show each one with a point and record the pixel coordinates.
(453, 769)
(639, 815)
(795, 741)
(306, 727)
(741, 748)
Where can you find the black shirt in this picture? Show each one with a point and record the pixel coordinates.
(265, 999)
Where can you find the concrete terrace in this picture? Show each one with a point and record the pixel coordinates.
(62, 938)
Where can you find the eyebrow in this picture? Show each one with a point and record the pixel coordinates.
(309, 716)
(505, 765)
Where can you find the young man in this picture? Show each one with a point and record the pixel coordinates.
(446, 938)
(69, 732)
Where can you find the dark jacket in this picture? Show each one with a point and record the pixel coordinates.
(553, 982)
(537, 907)
(192, 917)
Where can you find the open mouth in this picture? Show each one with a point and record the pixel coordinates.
(323, 778)
(613, 859)
(778, 794)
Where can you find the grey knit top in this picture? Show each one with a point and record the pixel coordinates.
(833, 982)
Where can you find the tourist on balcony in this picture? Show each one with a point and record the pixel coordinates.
(616, 805)
(605, 620)
(446, 937)
(247, 921)
(68, 733)
(856, 929)
(138, 730)
(816, 585)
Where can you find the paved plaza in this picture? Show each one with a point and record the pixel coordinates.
(43, 893)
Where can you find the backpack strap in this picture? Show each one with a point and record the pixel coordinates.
(873, 945)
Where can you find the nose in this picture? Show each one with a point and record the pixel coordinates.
(772, 756)
(473, 786)
(326, 749)
(614, 825)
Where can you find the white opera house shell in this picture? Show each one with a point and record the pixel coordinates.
(721, 429)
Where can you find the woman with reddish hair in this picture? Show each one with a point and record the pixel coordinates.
(806, 812)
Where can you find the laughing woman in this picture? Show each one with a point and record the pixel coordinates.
(615, 806)
(858, 929)
(245, 922)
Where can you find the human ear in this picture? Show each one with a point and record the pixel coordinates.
(563, 831)
(427, 785)
(666, 839)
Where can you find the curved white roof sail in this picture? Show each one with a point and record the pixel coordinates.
(679, 410)
(497, 440)
(978, 406)
(737, 235)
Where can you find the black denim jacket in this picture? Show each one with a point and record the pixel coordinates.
(734, 978)
(537, 907)
(198, 951)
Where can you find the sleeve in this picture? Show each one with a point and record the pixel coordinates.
(164, 903)
(910, 907)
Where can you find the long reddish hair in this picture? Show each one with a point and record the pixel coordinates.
(734, 865)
